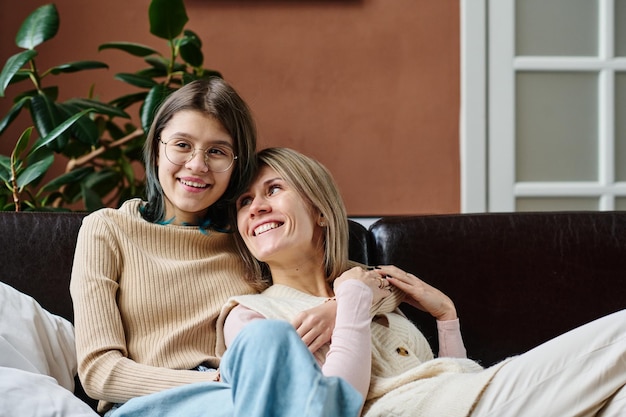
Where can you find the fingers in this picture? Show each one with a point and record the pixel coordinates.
(297, 323)
(382, 283)
(314, 338)
(371, 277)
(380, 280)
(421, 294)
(397, 273)
(405, 281)
(316, 343)
(313, 333)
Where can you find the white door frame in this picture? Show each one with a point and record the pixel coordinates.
(473, 113)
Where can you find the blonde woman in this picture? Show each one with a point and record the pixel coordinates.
(293, 230)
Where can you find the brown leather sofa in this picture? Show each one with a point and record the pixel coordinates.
(517, 279)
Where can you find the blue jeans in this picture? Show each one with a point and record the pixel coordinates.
(267, 371)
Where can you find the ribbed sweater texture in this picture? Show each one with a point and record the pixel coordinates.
(146, 298)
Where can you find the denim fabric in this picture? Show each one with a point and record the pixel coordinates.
(267, 371)
(112, 410)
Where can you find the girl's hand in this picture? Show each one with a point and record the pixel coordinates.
(421, 295)
(315, 326)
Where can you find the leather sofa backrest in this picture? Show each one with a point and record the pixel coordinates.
(359, 240)
(37, 256)
(517, 280)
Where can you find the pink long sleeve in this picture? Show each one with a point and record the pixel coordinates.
(236, 320)
(350, 354)
(450, 339)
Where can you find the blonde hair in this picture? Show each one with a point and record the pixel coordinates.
(315, 185)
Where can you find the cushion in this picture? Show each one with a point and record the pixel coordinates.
(34, 340)
(37, 360)
(28, 394)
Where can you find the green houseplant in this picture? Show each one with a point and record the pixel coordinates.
(99, 140)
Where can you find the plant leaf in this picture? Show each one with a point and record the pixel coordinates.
(102, 180)
(153, 72)
(191, 36)
(51, 92)
(5, 169)
(91, 199)
(128, 100)
(153, 100)
(22, 143)
(157, 62)
(136, 80)
(128, 171)
(34, 172)
(132, 48)
(85, 129)
(167, 18)
(114, 130)
(77, 66)
(14, 111)
(20, 75)
(40, 26)
(191, 52)
(45, 204)
(208, 73)
(12, 66)
(98, 107)
(47, 116)
(67, 178)
(43, 141)
(41, 153)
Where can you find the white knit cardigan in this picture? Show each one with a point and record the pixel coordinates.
(406, 378)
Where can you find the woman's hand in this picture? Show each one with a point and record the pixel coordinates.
(373, 278)
(421, 295)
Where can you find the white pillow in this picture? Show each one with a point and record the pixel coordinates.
(26, 394)
(35, 340)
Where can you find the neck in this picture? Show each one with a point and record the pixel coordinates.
(308, 277)
(181, 218)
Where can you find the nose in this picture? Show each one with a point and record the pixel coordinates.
(198, 161)
(258, 205)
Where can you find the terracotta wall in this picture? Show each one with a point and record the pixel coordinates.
(369, 87)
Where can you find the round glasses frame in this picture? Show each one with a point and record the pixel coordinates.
(184, 155)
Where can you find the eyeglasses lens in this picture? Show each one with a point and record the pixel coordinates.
(217, 158)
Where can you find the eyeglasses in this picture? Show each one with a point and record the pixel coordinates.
(218, 158)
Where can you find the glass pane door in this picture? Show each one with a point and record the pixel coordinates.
(556, 105)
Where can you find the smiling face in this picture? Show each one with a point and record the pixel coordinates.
(277, 225)
(191, 188)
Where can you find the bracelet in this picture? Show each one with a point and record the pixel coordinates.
(331, 299)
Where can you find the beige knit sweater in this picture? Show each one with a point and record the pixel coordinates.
(406, 379)
(146, 298)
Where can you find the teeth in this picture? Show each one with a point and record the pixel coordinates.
(265, 227)
(193, 184)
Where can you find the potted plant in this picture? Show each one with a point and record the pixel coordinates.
(99, 140)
